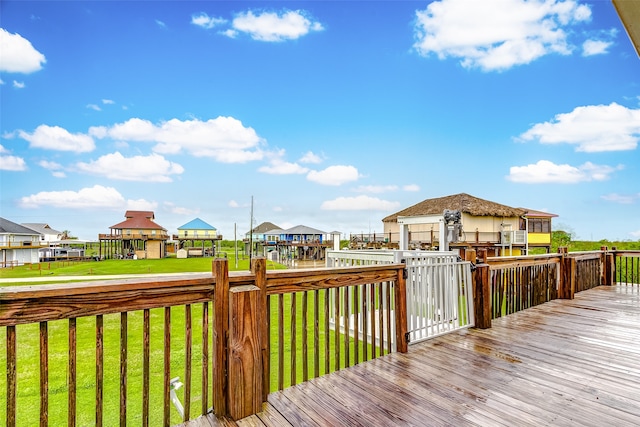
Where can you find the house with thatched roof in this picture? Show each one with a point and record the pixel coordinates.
(499, 228)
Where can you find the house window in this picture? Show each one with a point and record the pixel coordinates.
(539, 225)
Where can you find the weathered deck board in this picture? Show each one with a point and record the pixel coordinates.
(563, 363)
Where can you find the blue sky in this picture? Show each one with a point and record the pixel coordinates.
(328, 114)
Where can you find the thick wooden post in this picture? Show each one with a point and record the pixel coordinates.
(482, 296)
(481, 289)
(401, 312)
(245, 371)
(609, 270)
(567, 288)
(220, 327)
(259, 269)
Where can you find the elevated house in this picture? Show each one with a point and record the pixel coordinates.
(48, 235)
(193, 236)
(18, 244)
(296, 243)
(138, 236)
(482, 224)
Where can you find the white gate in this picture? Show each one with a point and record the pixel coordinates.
(439, 297)
(439, 288)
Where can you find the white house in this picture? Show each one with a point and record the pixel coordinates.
(18, 244)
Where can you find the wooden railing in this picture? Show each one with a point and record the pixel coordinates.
(518, 283)
(142, 334)
(102, 321)
(505, 285)
(627, 267)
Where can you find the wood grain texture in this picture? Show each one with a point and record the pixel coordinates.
(245, 379)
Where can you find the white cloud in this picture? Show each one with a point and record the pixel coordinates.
(205, 21)
(635, 234)
(152, 168)
(108, 101)
(498, 34)
(334, 175)
(595, 47)
(94, 107)
(178, 210)
(224, 139)
(545, 172)
(49, 165)
(96, 197)
(233, 204)
(375, 188)
(57, 138)
(18, 85)
(310, 157)
(278, 166)
(411, 187)
(592, 128)
(11, 163)
(160, 24)
(55, 168)
(275, 27)
(359, 203)
(621, 198)
(17, 54)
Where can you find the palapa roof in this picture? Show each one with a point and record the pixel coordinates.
(138, 219)
(463, 202)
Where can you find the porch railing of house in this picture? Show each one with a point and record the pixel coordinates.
(229, 335)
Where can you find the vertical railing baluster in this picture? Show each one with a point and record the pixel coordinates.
(327, 340)
(388, 312)
(305, 351)
(12, 357)
(205, 357)
(280, 341)
(44, 374)
(365, 323)
(372, 313)
(123, 367)
(347, 314)
(356, 324)
(71, 379)
(381, 317)
(166, 418)
(146, 336)
(187, 364)
(316, 334)
(293, 339)
(336, 327)
(99, 369)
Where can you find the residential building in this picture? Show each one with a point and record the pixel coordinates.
(138, 236)
(18, 244)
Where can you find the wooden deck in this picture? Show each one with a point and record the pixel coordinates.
(563, 363)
